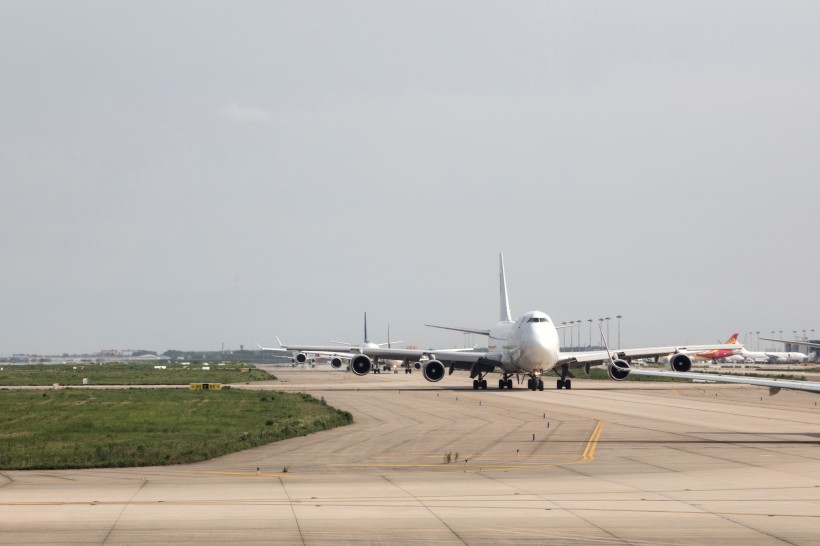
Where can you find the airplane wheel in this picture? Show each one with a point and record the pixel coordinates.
(509, 384)
(484, 384)
(529, 383)
(559, 384)
(540, 385)
(475, 384)
(501, 384)
(567, 384)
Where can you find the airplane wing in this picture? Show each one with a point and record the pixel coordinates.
(774, 384)
(397, 354)
(594, 358)
(793, 342)
(276, 349)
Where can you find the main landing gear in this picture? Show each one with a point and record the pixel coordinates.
(534, 383)
(564, 382)
(505, 382)
(479, 384)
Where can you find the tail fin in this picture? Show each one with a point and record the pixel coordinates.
(732, 340)
(505, 301)
(365, 328)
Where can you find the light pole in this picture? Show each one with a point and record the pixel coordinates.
(758, 340)
(564, 331)
(619, 329)
(804, 336)
(607, 330)
(601, 328)
(772, 349)
(590, 333)
(579, 321)
(749, 339)
(571, 333)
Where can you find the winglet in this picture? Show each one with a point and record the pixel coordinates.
(505, 301)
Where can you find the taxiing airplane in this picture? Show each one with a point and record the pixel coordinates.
(340, 356)
(529, 346)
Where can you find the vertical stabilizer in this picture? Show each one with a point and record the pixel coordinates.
(365, 328)
(505, 301)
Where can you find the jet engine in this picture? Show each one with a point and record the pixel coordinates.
(301, 358)
(680, 363)
(618, 370)
(336, 362)
(417, 365)
(361, 365)
(433, 370)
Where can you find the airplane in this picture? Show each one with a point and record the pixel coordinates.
(718, 354)
(773, 357)
(741, 354)
(340, 356)
(807, 344)
(529, 346)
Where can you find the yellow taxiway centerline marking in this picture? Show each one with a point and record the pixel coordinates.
(589, 452)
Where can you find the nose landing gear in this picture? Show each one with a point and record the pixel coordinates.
(534, 383)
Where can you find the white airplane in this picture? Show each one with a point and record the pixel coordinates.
(340, 356)
(530, 346)
(773, 357)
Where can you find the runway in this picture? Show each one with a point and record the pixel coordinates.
(604, 463)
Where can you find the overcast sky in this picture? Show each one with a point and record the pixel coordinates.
(178, 175)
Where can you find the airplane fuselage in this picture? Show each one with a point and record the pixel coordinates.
(529, 345)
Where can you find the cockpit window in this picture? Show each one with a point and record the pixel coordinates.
(537, 319)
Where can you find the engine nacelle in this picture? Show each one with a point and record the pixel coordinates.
(301, 358)
(336, 362)
(680, 363)
(417, 365)
(618, 370)
(361, 365)
(433, 370)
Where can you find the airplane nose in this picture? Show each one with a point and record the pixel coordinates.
(540, 348)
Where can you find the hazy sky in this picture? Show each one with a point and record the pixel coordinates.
(175, 175)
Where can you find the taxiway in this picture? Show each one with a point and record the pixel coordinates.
(604, 463)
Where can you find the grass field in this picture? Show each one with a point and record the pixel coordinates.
(131, 373)
(82, 428)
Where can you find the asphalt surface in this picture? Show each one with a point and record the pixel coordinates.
(604, 463)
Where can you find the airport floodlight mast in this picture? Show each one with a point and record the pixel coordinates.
(601, 327)
(571, 334)
(563, 324)
(607, 331)
(590, 333)
(758, 340)
(619, 317)
(579, 321)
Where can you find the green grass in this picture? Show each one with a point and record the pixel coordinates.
(131, 373)
(83, 428)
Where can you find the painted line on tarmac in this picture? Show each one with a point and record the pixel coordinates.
(474, 466)
(592, 443)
